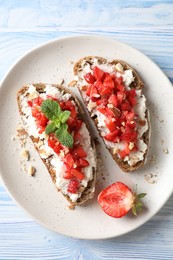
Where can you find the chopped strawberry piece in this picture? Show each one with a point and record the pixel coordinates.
(113, 137)
(73, 186)
(118, 80)
(125, 151)
(79, 152)
(129, 136)
(57, 148)
(41, 129)
(113, 100)
(77, 136)
(37, 101)
(120, 96)
(105, 111)
(29, 103)
(71, 122)
(130, 115)
(67, 173)
(116, 200)
(102, 102)
(83, 163)
(73, 113)
(43, 120)
(110, 124)
(108, 82)
(62, 105)
(35, 112)
(78, 124)
(120, 87)
(132, 101)
(130, 125)
(98, 73)
(69, 104)
(88, 91)
(69, 160)
(89, 78)
(51, 142)
(77, 173)
(132, 92)
(94, 94)
(125, 106)
(105, 90)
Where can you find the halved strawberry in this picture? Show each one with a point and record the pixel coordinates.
(117, 199)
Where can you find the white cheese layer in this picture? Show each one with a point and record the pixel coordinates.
(45, 151)
(140, 108)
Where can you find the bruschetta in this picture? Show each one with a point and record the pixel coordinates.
(53, 118)
(112, 93)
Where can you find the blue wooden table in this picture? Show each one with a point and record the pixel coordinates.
(147, 26)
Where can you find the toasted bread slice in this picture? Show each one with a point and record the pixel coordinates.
(86, 76)
(30, 95)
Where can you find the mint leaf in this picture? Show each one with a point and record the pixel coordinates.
(64, 136)
(51, 109)
(64, 116)
(50, 128)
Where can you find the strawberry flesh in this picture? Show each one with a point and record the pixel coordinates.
(116, 200)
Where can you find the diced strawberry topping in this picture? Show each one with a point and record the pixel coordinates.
(113, 137)
(37, 101)
(89, 78)
(125, 151)
(73, 186)
(77, 173)
(79, 152)
(116, 102)
(98, 73)
(111, 124)
(29, 103)
(81, 163)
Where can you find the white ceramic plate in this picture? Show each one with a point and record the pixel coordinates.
(37, 195)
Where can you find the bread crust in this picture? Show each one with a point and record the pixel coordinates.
(137, 84)
(88, 192)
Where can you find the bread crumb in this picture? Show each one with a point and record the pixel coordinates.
(71, 206)
(119, 67)
(12, 138)
(153, 159)
(115, 150)
(25, 154)
(31, 170)
(165, 150)
(150, 178)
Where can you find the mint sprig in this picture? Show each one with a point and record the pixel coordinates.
(57, 124)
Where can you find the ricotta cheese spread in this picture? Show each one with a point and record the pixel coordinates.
(46, 151)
